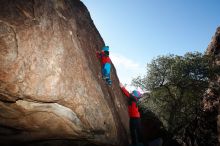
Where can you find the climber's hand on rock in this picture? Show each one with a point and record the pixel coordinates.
(121, 85)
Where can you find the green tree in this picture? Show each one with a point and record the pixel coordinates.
(176, 85)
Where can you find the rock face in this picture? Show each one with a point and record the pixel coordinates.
(212, 96)
(50, 78)
(205, 129)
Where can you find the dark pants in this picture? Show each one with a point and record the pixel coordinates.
(135, 130)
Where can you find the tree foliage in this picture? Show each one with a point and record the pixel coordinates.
(176, 85)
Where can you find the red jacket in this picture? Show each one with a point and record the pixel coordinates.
(132, 108)
(103, 57)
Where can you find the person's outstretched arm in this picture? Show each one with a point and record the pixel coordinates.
(124, 90)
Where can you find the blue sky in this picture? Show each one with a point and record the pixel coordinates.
(138, 31)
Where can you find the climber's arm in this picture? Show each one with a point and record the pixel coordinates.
(124, 90)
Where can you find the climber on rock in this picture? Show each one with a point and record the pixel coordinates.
(135, 121)
(105, 63)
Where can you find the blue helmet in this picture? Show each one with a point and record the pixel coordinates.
(105, 48)
(136, 93)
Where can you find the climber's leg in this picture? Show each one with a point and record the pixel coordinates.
(107, 71)
(103, 72)
(132, 125)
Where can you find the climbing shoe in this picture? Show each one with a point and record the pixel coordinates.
(109, 82)
(105, 78)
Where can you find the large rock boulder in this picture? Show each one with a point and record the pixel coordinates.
(204, 130)
(50, 78)
(212, 95)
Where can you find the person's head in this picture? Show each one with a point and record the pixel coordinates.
(106, 53)
(105, 48)
(136, 94)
